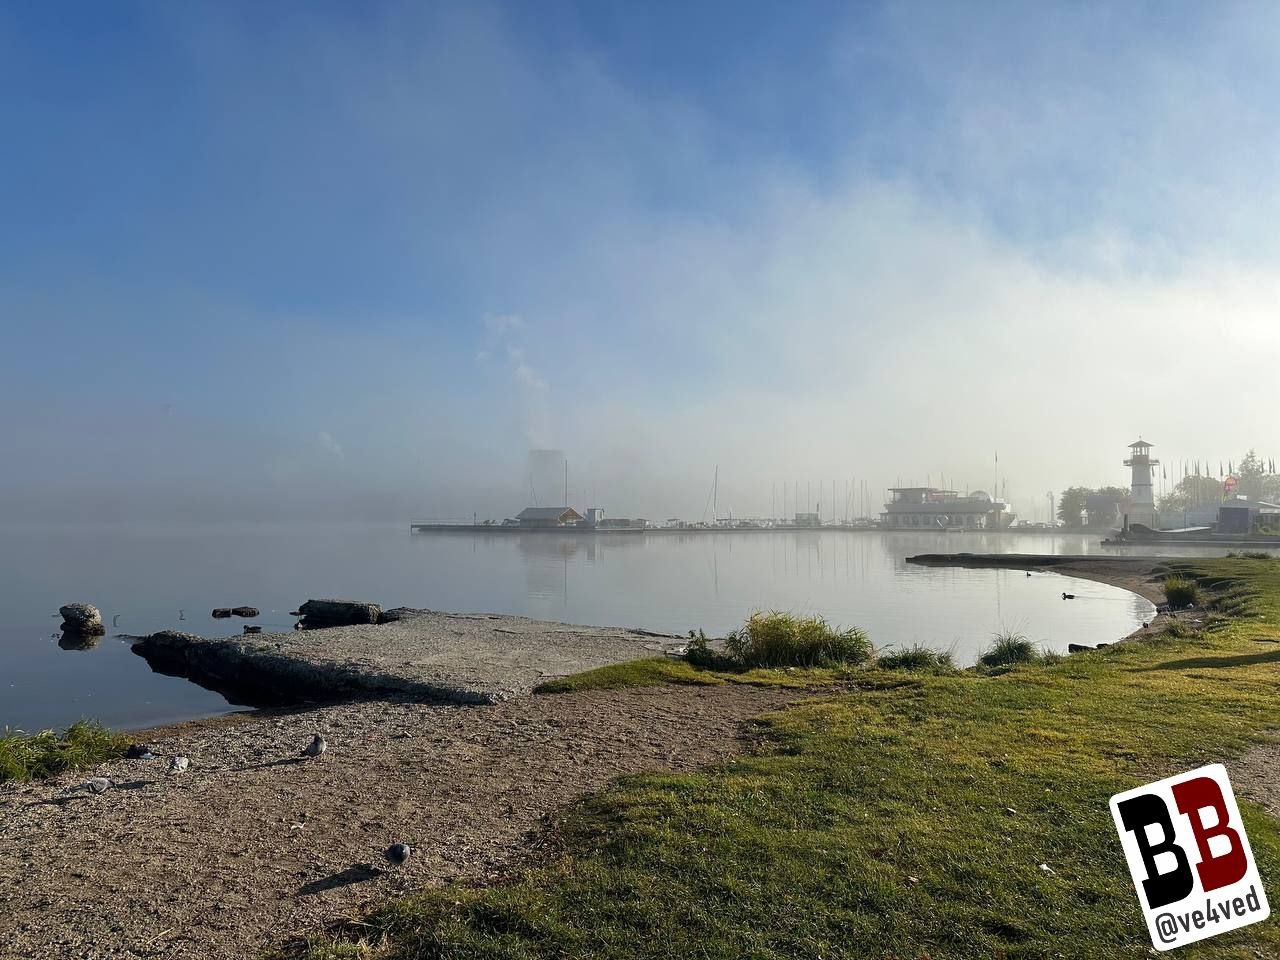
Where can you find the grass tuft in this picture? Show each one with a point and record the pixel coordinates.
(917, 658)
(1008, 648)
(778, 639)
(1181, 592)
(34, 756)
(1181, 630)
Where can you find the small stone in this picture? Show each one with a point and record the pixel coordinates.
(221, 613)
(244, 611)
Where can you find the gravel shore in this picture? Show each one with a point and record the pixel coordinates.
(253, 845)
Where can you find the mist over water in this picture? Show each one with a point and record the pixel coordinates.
(142, 576)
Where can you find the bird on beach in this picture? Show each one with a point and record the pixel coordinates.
(94, 785)
(317, 746)
(1068, 596)
(397, 854)
(139, 751)
(178, 764)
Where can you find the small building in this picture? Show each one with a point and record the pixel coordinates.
(549, 517)
(594, 516)
(928, 508)
(1242, 516)
(808, 520)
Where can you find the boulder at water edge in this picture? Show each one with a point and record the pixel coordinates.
(83, 619)
(338, 613)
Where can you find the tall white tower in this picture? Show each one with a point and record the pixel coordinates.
(1142, 502)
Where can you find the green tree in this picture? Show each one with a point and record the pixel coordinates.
(1074, 500)
(1252, 473)
(1071, 506)
(1107, 518)
(1122, 493)
(1192, 492)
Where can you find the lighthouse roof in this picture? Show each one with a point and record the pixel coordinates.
(1140, 443)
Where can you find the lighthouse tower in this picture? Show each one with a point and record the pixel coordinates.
(1142, 503)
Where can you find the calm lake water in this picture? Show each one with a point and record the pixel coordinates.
(148, 578)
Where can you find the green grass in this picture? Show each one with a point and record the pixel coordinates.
(1008, 648)
(903, 820)
(779, 639)
(771, 649)
(916, 658)
(34, 756)
(1181, 592)
(651, 672)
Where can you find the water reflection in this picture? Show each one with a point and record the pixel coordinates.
(677, 581)
(74, 640)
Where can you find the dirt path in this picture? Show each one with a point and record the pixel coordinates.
(252, 846)
(1256, 775)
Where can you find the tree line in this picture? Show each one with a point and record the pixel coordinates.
(1072, 503)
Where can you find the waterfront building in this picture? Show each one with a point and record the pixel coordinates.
(549, 517)
(928, 508)
(808, 520)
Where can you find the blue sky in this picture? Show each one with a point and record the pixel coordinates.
(265, 260)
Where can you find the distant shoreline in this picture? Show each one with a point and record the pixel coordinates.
(427, 527)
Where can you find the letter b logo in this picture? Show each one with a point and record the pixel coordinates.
(1161, 888)
(1203, 793)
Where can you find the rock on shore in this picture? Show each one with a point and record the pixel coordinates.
(318, 614)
